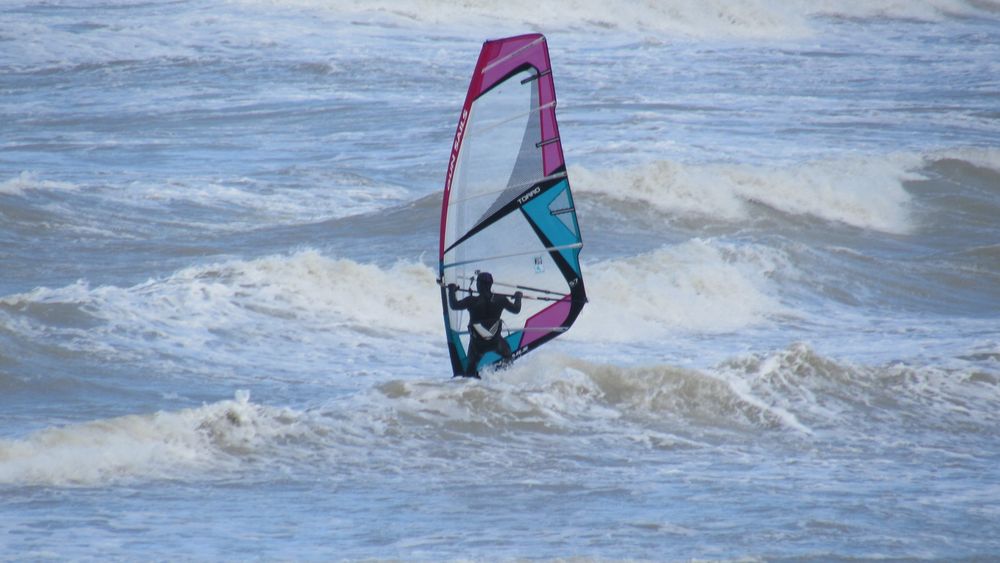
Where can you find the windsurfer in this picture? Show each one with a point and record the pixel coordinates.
(485, 309)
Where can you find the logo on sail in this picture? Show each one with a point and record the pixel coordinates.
(521, 200)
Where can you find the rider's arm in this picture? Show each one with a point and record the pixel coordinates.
(454, 302)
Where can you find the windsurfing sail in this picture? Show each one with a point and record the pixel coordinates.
(507, 206)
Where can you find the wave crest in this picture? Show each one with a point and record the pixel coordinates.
(698, 285)
(153, 446)
(29, 181)
(864, 192)
(257, 312)
(852, 399)
(552, 394)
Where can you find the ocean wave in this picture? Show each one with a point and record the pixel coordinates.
(923, 10)
(338, 195)
(219, 436)
(864, 192)
(850, 398)
(554, 395)
(795, 395)
(698, 285)
(241, 311)
(713, 18)
(226, 310)
(392, 425)
(299, 197)
(982, 157)
(109, 35)
(796, 391)
(29, 181)
(238, 204)
(756, 19)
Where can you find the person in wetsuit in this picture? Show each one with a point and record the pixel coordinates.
(484, 309)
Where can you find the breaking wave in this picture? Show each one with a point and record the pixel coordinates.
(233, 311)
(795, 392)
(237, 311)
(862, 192)
(150, 446)
(698, 285)
(29, 181)
(867, 192)
(837, 396)
(795, 395)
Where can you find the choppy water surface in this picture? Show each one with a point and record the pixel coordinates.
(220, 336)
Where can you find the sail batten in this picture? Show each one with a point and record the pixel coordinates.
(507, 205)
(507, 119)
(510, 255)
(523, 185)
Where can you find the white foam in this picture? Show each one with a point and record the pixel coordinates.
(666, 185)
(549, 394)
(306, 285)
(699, 285)
(127, 36)
(400, 297)
(427, 422)
(29, 181)
(236, 311)
(755, 19)
(862, 191)
(259, 313)
(151, 446)
(849, 398)
(749, 18)
(51, 41)
(921, 10)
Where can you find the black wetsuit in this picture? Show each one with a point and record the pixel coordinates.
(484, 322)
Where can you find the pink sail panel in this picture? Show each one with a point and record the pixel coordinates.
(553, 315)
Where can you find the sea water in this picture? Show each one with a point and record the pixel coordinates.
(220, 336)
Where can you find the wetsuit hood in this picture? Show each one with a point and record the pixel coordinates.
(484, 283)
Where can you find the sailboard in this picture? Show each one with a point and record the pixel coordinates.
(507, 206)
